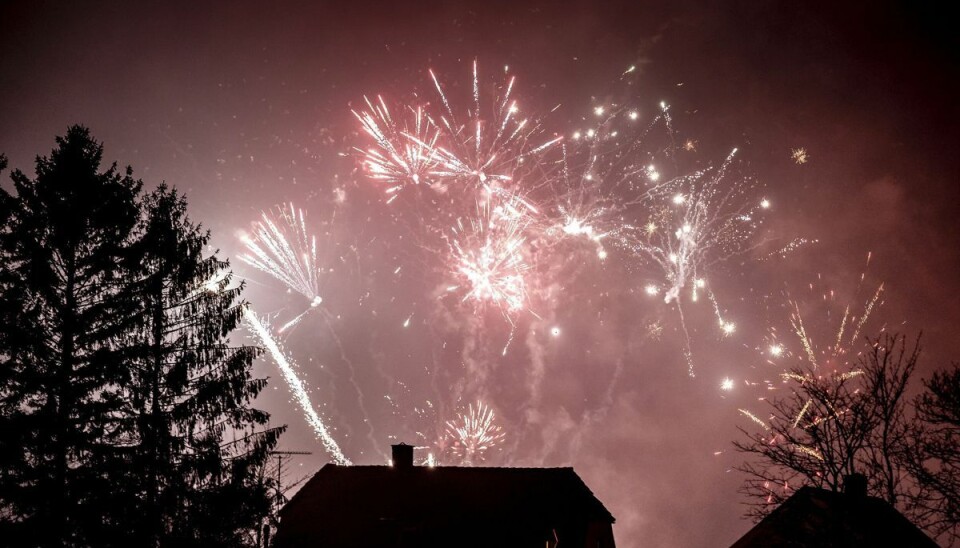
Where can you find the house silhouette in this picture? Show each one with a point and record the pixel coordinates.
(821, 518)
(420, 506)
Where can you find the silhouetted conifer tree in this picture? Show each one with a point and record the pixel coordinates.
(198, 443)
(64, 307)
(126, 413)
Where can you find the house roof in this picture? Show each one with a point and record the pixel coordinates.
(376, 505)
(822, 518)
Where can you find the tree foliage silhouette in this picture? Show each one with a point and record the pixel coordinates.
(125, 410)
(838, 423)
(936, 460)
(190, 388)
(829, 427)
(63, 310)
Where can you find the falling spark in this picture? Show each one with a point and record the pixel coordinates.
(754, 418)
(803, 411)
(809, 451)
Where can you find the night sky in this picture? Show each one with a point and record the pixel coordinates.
(245, 106)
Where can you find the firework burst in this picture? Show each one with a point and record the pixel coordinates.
(486, 151)
(473, 434)
(405, 155)
(488, 258)
(698, 221)
(615, 185)
(480, 147)
(695, 222)
(282, 247)
(799, 156)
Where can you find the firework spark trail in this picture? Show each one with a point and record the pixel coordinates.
(796, 321)
(474, 433)
(810, 451)
(867, 311)
(754, 418)
(803, 411)
(688, 348)
(297, 388)
(790, 247)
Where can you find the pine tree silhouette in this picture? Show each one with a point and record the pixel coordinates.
(125, 410)
(64, 305)
(198, 447)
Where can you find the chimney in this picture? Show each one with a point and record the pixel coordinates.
(855, 485)
(402, 455)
